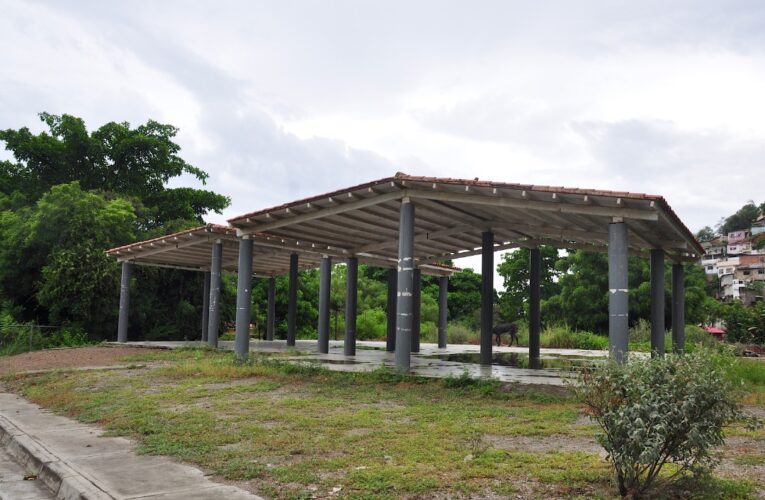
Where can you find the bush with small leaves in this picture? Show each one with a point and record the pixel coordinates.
(665, 410)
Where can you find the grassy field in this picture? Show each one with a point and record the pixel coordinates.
(287, 431)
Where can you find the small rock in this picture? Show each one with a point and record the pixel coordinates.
(468, 458)
(360, 467)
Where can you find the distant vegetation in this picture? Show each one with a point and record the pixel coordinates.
(71, 193)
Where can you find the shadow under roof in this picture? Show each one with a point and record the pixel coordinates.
(451, 214)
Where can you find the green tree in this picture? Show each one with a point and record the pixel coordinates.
(69, 195)
(706, 233)
(740, 220)
(583, 299)
(54, 253)
(133, 162)
(514, 270)
(464, 295)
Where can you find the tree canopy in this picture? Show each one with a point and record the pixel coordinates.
(514, 270)
(135, 163)
(71, 194)
(740, 220)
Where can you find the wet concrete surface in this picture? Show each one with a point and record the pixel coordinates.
(511, 364)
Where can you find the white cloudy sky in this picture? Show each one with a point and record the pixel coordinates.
(284, 99)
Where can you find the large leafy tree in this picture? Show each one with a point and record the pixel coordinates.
(464, 296)
(69, 195)
(583, 299)
(514, 270)
(706, 233)
(740, 220)
(133, 162)
(52, 257)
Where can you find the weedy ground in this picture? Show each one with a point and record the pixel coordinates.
(298, 431)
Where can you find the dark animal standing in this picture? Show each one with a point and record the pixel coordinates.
(506, 328)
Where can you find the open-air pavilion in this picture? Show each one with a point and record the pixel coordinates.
(212, 248)
(416, 223)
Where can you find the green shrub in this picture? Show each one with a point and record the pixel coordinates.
(640, 331)
(655, 411)
(696, 338)
(744, 324)
(484, 386)
(457, 333)
(68, 337)
(562, 338)
(15, 338)
(429, 332)
(371, 324)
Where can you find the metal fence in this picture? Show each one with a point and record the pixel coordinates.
(18, 338)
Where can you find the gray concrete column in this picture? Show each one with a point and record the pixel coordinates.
(243, 300)
(214, 316)
(657, 302)
(443, 292)
(404, 286)
(271, 312)
(678, 308)
(487, 295)
(390, 338)
(351, 286)
(205, 305)
(292, 300)
(618, 293)
(416, 308)
(122, 321)
(535, 318)
(325, 287)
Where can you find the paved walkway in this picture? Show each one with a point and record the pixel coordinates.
(75, 462)
(431, 361)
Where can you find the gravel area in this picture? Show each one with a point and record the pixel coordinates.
(76, 357)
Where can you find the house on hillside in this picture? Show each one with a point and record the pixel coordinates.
(758, 227)
(739, 242)
(729, 287)
(715, 251)
(751, 272)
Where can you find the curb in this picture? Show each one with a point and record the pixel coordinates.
(60, 478)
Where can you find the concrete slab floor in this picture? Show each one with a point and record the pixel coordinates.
(511, 362)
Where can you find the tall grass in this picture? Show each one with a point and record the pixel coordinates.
(17, 339)
(751, 371)
(552, 336)
(695, 338)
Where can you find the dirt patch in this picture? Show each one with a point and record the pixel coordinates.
(361, 431)
(757, 411)
(544, 444)
(524, 389)
(231, 383)
(738, 446)
(76, 357)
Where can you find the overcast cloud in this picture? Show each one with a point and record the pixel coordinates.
(280, 100)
